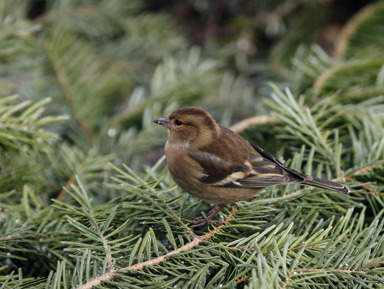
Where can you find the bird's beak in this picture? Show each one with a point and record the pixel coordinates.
(163, 121)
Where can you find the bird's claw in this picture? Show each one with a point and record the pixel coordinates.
(200, 222)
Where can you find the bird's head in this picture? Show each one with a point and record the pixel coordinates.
(190, 127)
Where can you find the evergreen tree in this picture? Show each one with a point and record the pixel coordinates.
(86, 199)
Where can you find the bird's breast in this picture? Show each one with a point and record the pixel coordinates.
(183, 169)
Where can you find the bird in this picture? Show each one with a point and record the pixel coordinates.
(218, 166)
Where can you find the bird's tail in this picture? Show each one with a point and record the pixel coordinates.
(325, 184)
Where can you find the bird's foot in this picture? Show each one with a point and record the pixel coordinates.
(212, 212)
(201, 222)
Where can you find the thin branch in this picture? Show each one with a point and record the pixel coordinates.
(370, 190)
(71, 180)
(105, 244)
(245, 278)
(65, 85)
(368, 169)
(305, 270)
(256, 120)
(97, 281)
(153, 262)
(169, 208)
(158, 260)
(378, 263)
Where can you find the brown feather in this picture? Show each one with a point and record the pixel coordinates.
(217, 165)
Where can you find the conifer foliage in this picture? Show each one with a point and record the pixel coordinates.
(86, 200)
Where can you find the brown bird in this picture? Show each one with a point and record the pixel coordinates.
(217, 165)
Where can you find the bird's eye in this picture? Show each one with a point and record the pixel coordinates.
(178, 122)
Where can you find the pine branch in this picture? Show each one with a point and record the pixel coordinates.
(65, 84)
(22, 124)
(196, 241)
(71, 163)
(116, 65)
(300, 272)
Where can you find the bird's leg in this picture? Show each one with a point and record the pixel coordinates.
(214, 209)
(211, 213)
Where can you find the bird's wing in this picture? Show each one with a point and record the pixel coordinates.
(268, 171)
(260, 170)
(295, 175)
(219, 172)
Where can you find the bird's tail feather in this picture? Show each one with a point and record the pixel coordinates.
(325, 184)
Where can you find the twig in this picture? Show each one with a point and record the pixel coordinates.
(158, 260)
(96, 281)
(63, 192)
(378, 263)
(245, 278)
(169, 208)
(244, 124)
(305, 270)
(235, 249)
(371, 191)
(65, 85)
(105, 244)
(368, 169)
(153, 262)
